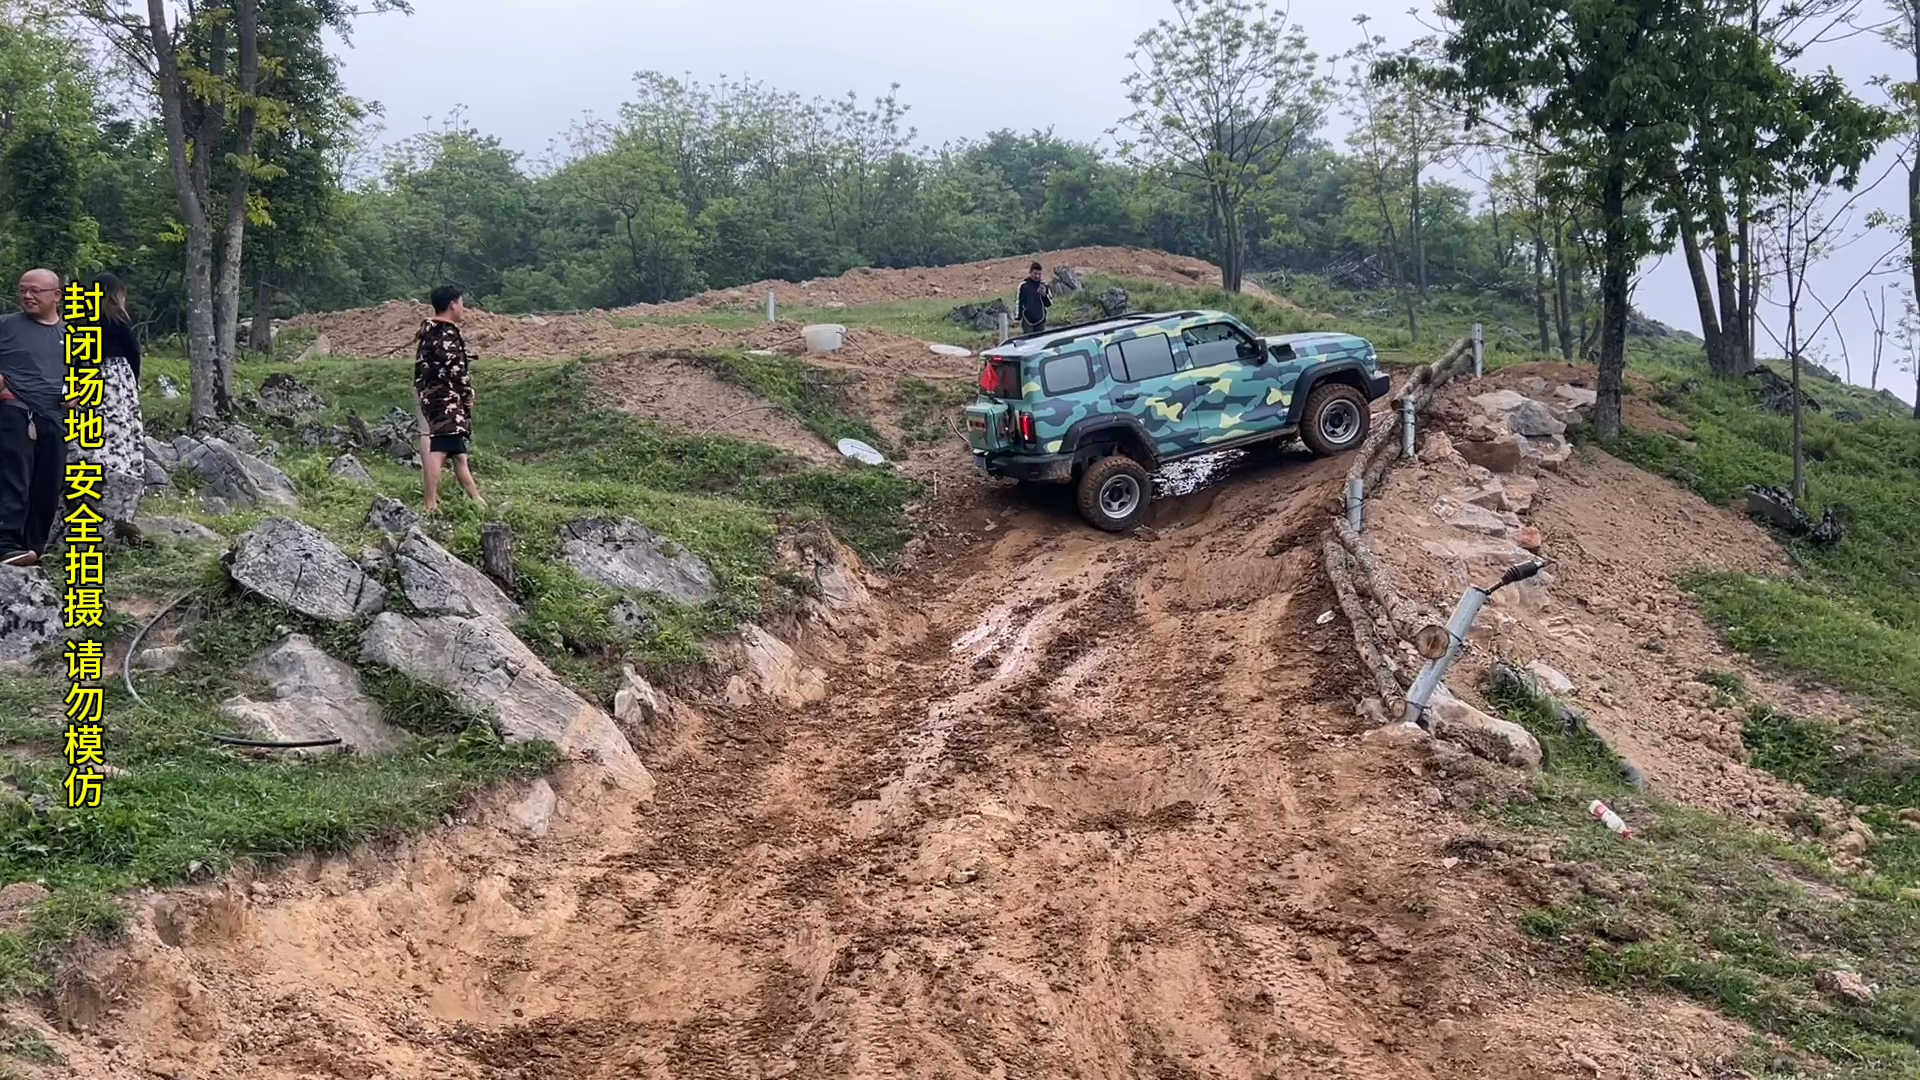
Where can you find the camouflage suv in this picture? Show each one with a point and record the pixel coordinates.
(1102, 404)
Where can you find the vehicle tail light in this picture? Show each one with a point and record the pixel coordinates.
(1026, 428)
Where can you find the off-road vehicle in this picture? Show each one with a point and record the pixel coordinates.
(1101, 405)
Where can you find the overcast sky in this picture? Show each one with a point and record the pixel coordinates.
(523, 71)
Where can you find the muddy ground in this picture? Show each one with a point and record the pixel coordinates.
(1076, 806)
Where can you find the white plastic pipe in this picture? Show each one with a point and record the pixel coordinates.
(1003, 328)
(1430, 675)
(770, 309)
(1356, 503)
(1479, 349)
(1406, 426)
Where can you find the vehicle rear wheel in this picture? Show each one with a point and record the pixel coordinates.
(1114, 492)
(1336, 419)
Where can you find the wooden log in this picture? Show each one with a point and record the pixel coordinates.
(496, 554)
(1372, 579)
(1366, 640)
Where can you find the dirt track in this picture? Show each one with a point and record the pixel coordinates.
(1077, 806)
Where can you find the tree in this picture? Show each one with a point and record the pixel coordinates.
(43, 198)
(1903, 33)
(1598, 84)
(1751, 122)
(1378, 140)
(206, 70)
(1221, 93)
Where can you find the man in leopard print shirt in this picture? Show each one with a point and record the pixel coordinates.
(443, 387)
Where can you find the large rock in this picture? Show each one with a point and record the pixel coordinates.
(156, 526)
(347, 467)
(437, 583)
(1487, 736)
(1533, 420)
(232, 475)
(1114, 302)
(29, 612)
(290, 563)
(391, 516)
(313, 696)
(1547, 451)
(1470, 516)
(625, 554)
(984, 318)
(484, 667)
(284, 396)
(812, 553)
(636, 700)
(779, 670)
(1501, 455)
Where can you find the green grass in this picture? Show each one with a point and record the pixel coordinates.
(1704, 906)
(929, 407)
(545, 454)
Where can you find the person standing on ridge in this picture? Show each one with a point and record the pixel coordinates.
(443, 388)
(1034, 301)
(33, 408)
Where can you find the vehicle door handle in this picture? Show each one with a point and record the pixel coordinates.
(1126, 399)
(1211, 380)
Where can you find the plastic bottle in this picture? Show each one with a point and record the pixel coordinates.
(1604, 815)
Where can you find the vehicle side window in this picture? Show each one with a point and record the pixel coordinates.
(1139, 358)
(1067, 374)
(1218, 343)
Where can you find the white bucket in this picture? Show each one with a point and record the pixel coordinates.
(823, 337)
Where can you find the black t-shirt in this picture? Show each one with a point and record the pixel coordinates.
(1034, 302)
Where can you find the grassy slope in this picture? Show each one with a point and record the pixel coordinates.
(544, 455)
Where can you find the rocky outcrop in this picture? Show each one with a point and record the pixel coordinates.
(232, 475)
(391, 516)
(437, 583)
(830, 569)
(313, 696)
(982, 318)
(290, 563)
(157, 527)
(627, 555)
(485, 668)
(779, 671)
(1486, 736)
(1516, 434)
(1114, 302)
(283, 396)
(29, 613)
(348, 468)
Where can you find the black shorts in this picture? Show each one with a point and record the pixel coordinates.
(450, 445)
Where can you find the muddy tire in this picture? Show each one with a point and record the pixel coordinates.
(1336, 419)
(1114, 493)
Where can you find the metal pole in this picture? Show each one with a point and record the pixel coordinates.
(770, 309)
(1430, 676)
(1406, 426)
(1003, 328)
(1356, 504)
(1479, 349)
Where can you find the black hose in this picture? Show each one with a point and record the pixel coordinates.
(133, 649)
(234, 740)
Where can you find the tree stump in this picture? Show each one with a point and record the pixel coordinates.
(496, 553)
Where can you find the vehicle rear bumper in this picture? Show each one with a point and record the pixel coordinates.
(1377, 386)
(1043, 468)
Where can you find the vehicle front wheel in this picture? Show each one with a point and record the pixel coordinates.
(1336, 419)
(1114, 492)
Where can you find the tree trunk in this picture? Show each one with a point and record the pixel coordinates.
(227, 286)
(1563, 288)
(260, 339)
(1613, 304)
(1419, 232)
(1913, 231)
(1501, 257)
(1230, 242)
(208, 394)
(1719, 359)
(1540, 289)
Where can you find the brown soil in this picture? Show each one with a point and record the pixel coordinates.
(387, 329)
(1078, 806)
(1610, 614)
(683, 393)
(964, 281)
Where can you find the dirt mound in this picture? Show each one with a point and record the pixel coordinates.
(1077, 805)
(965, 281)
(1611, 615)
(685, 394)
(387, 329)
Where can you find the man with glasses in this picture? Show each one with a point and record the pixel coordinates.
(33, 446)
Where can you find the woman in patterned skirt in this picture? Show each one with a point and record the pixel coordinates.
(121, 457)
